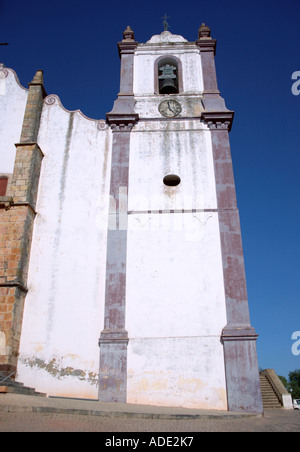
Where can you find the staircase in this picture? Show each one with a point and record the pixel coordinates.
(8, 385)
(269, 397)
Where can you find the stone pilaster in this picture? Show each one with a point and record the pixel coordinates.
(17, 213)
(238, 336)
(114, 337)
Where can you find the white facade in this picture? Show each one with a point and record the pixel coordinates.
(175, 302)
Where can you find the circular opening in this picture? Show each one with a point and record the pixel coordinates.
(171, 180)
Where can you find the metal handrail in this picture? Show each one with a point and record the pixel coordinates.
(8, 376)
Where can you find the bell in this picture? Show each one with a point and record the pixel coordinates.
(168, 86)
(168, 79)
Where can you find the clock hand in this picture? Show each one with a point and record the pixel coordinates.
(170, 108)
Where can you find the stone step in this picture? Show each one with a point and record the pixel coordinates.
(8, 385)
(269, 397)
(20, 390)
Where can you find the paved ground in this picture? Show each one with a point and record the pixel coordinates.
(34, 414)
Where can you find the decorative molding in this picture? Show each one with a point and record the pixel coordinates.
(3, 73)
(122, 127)
(218, 120)
(113, 337)
(218, 124)
(101, 125)
(51, 100)
(122, 122)
(239, 333)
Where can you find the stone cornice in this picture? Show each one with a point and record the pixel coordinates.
(127, 47)
(32, 144)
(207, 45)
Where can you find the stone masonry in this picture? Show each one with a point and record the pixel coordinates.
(17, 213)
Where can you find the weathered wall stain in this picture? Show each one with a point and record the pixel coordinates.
(57, 238)
(53, 368)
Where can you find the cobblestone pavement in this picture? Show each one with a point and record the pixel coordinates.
(273, 421)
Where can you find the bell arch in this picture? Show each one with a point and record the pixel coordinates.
(168, 75)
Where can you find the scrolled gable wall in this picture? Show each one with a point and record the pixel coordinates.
(59, 352)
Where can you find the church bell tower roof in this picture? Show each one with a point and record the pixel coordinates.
(166, 37)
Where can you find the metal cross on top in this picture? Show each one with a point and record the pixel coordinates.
(165, 23)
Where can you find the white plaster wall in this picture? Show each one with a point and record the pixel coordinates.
(64, 308)
(175, 371)
(174, 279)
(171, 147)
(175, 311)
(175, 303)
(13, 98)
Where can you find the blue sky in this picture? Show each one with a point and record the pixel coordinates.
(75, 43)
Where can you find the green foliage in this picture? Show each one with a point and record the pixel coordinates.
(284, 381)
(293, 384)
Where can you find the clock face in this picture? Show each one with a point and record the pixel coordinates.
(169, 108)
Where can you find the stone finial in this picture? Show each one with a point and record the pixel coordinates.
(204, 32)
(128, 34)
(38, 78)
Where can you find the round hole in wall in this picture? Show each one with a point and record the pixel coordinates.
(171, 180)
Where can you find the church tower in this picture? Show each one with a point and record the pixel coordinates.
(177, 330)
(123, 233)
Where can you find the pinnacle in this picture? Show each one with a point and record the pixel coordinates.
(38, 78)
(128, 34)
(204, 31)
